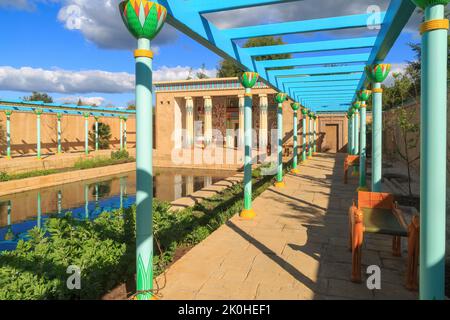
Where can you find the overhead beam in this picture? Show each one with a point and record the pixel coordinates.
(329, 45)
(273, 74)
(207, 6)
(332, 59)
(324, 24)
(398, 14)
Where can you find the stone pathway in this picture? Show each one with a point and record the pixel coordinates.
(296, 247)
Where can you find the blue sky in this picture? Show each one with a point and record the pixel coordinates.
(94, 59)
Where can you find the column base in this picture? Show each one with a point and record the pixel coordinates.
(8, 158)
(247, 214)
(295, 171)
(362, 189)
(279, 184)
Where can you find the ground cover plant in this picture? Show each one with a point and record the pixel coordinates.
(104, 248)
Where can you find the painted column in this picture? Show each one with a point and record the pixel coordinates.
(248, 80)
(433, 149)
(377, 73)
(9, 235)
(86, 132)
(153, 20)
(86, 201)
(121, 132)
(58, 117)
(96, 132)
(208, 120)
(38, 113)
(295, 106)
(349, 131)
(124, 119)
(315, 134)
(310, 147)
(263, 107)
(305, 115)
(189, 121)
(364, 96)
(241, 119)
(280, 98)
(59, 202)
(8, 114)
(354, 132)
(357, 131)
(39, 211)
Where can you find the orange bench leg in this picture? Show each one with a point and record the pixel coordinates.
(413, 254)
(357, 241)
(396, 246)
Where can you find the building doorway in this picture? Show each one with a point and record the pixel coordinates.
(331, 143)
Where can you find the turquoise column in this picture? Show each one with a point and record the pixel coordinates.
(58, 117)
(59, 202)
(125, 132)
(377, 74)
(121, 133)
(86, 202)
(96, 132)
(433, 149)
(310, 135)
(144, 20)
(349, 131)
(39, 211)
(121, 192)
(38, 113)
(305, 114)
(248, 80)
(364, 96)
(9, 235)
(86, 132)
(295, 106)
(315, 134)
(280, 98)
(8, 114)
(356, 132)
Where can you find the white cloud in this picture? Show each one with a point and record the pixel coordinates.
(64, 81)
(100, 23)
(179, 73)
(27, 79)
(27, 5)
(86, 100)
(300, 10)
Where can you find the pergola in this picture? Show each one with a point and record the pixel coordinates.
(326, 76)
(40, 107)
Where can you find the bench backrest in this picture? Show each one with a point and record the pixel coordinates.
(352, 159)
(378, 200)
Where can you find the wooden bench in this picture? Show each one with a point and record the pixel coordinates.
(378, 213)
(350, 161)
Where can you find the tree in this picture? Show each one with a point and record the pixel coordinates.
(104, 135)
(409, 139)
(202, 73)
(38, 96)
(80, 103)
(228, 68)
(131, 105)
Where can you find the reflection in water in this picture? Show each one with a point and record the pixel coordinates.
(21, 212)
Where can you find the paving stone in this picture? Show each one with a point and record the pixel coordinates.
(295, 248)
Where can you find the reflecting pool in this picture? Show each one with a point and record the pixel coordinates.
(86, 199)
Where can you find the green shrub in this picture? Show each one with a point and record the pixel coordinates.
(104, 248)
(4, 176)
(120, 155)
(104, 135)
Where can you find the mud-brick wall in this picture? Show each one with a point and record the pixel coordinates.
(23, 133)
